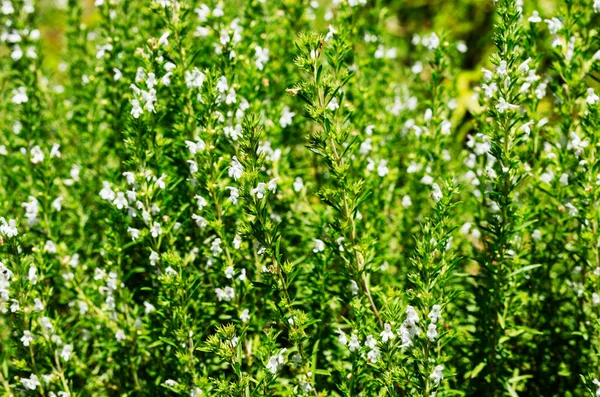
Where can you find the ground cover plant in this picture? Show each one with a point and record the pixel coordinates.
(299, 198)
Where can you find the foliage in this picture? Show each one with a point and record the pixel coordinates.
(328, 198)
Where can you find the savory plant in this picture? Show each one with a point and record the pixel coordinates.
(326, 198)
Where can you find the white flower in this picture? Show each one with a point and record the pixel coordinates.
(503, 106)
(417, 67)
(156, 230)
(487, 74)
(597, 383)
(19, 96)
(237, 241)
(136, 109)
(151, 80)
(148, 308)
(50, 247)
(194, 79)
(276, 362)
(30, 383)
(170, 383)
(233, 133)
(554, 25)
(411, 315)
(306, 387)
(245, 315)
(235, 169)
(37, 156)
(55, 151)
(193, 166)
(134, 233)
(489, 89)
(222, 85)
(445, 127)
(272, 185)
(524, 67)
(27, 338)
(229, 272)
(333, 104)
(262, 57)
(535, 17)
(195, 147)
(436, 192)
(32, 275)
(234, 195)
(406, 201)
(564, 179)
(432, 333)
(46, 324)
(170, 271)
(32, 208)
(38, 306)
(342, 338)
(120, 201)
(226, 294)
(9, 229)
(331, 33)
(387, 333)
(154, 258)
(200, 202)
(573, 211)
(319, 246)
(354, 287)
(366, 147)
(434, 315)
(120, 335)
(592, 97)
(67, 352)
(370, 342)
(286, 117)
(260, 190)
(340, 243)
(382, 169)
(200, 221)
(501, 69)
(373, 356)
(354, 343)
(437, 374)
(432, 42)
(298, 184)
(576, 143)
(163, 40)
(57, 203)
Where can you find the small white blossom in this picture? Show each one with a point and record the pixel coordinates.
(319, 246)
(19, 96)
(27, 338)
(503, 106)
(276, 362)
(30, 383)
(354, 343)
(245, 315)
(437, 374)
(387, 333)
(432, 333)
(286, 117)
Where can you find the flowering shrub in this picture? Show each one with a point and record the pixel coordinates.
(257, 198)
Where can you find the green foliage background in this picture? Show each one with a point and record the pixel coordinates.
(418, 190)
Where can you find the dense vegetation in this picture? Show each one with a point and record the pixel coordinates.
(284, 197)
